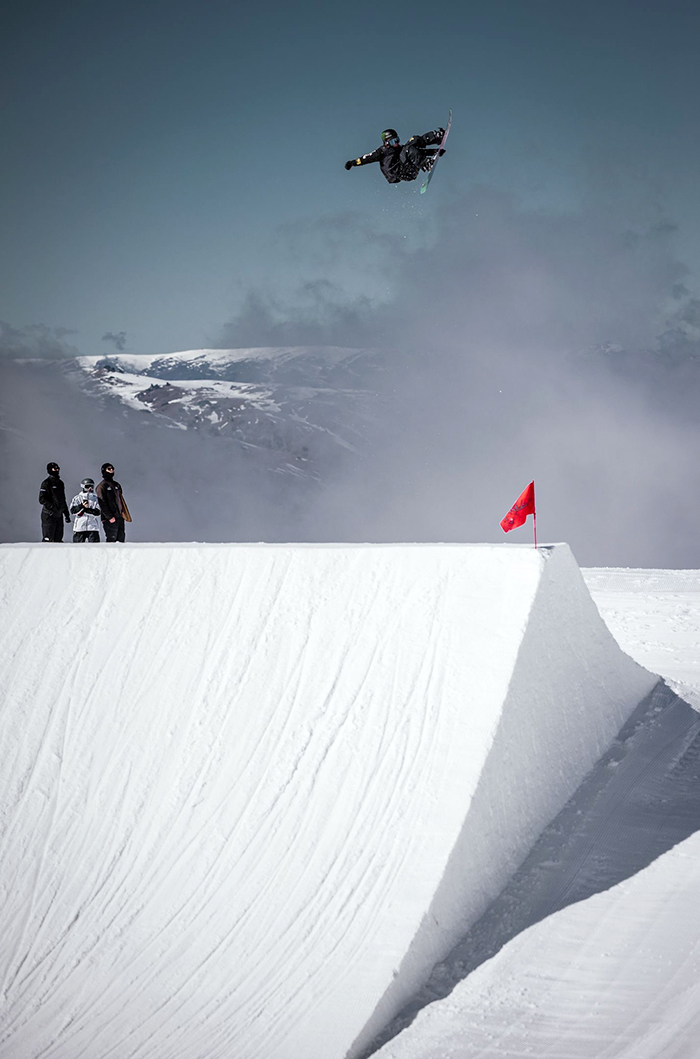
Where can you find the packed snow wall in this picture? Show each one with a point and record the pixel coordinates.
(251, 793)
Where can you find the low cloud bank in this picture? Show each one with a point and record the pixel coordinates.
(35, 341)
(519, 345)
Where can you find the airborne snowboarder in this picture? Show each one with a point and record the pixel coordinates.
(405, 162)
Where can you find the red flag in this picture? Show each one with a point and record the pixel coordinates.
(523, 506)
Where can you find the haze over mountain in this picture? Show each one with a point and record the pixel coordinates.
(330, 443)
(208, 445)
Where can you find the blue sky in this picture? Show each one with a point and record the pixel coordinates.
(162, 158)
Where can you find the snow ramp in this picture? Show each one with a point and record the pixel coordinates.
(250, 794)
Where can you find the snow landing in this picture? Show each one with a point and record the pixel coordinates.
(655, 617)
(614, 976)
(250, 794)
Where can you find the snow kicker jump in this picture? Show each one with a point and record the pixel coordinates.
(251, 793)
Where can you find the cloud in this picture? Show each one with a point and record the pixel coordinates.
(35, 341)
(319, 316)
(519, 344)
(484, 271)
(118, 339)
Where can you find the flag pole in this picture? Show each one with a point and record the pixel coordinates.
(534, 513)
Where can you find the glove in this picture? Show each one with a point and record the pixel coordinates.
(67, 520)
(350, 164)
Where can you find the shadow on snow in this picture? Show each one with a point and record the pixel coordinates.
(641, 798)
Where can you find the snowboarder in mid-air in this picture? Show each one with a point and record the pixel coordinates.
(405, 162)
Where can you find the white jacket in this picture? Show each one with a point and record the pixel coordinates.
(85, 518)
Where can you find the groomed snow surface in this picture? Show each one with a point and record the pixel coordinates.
(267, 802)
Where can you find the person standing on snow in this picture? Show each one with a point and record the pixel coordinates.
(109, 495)
(52, 497)
(86, 508)
(399, 163)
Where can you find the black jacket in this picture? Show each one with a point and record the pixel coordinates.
(109, 495)
(392, 160)
(52, 494)
(389, 159)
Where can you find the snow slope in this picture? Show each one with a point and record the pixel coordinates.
(655, 617)
(613, 977)
(250, 794)
(590, 951)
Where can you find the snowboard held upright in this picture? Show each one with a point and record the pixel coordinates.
(424, 185)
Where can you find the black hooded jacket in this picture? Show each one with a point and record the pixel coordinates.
(109, 495)
(389, 158)
(392, 159)
(52, 494)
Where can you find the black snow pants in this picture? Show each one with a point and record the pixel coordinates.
(114, 531)
(86, 536)
(51, 527)
(414, 154)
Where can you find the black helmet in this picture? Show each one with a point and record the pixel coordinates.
(391, 136)
(52, 468)
(104, 467)
(87, 483)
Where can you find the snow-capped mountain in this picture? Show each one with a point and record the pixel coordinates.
(210, 443)
(302, 403)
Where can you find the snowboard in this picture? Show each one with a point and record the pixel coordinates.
(424, 185)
